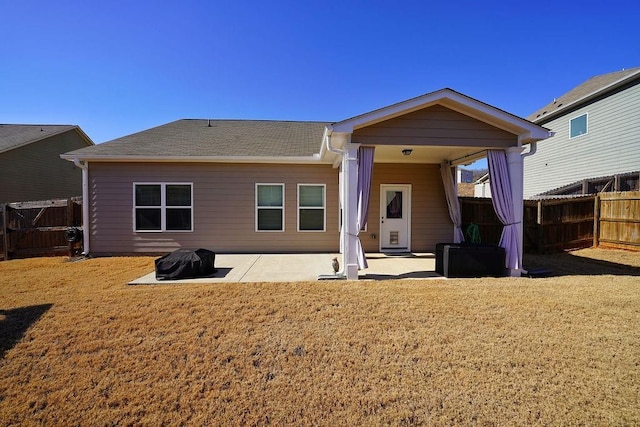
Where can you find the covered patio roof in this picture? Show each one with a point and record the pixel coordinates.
(438, 143)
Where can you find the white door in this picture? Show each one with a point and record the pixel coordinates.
(395, 217)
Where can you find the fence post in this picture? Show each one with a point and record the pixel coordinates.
(70, 223)
(5, 240)
(596, 221)
(540, 228)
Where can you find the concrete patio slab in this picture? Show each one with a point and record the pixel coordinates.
(305, 267)
(230, 268)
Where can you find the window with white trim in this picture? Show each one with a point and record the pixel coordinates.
(311, 207)
(162, 207)
(578, 126)
(269, 207)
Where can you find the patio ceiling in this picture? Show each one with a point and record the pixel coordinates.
(422, 154)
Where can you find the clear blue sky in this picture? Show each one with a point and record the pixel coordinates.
(118, 67)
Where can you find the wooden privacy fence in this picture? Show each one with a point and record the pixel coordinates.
(552, 225)
(618, 220)
(29, 229)
(607, 219)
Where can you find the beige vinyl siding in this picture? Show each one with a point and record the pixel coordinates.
(223, 204)
(610, 146)
(430, 222)
(36, 171)
(435, 126)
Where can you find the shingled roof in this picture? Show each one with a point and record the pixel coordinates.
(13, 136)
(203, 138)
(594, 86)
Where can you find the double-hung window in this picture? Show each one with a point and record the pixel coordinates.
(311, 207)
(269, 207)
(163, 206)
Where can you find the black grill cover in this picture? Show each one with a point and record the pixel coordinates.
(185, 264)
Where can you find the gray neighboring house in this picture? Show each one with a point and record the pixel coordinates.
(30, 164)
(259, 186)
(597, 134)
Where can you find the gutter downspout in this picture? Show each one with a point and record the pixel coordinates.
(329, 146)
(342, 273)
(85, 204)
(533, 147)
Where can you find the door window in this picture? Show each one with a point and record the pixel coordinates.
(394, 204)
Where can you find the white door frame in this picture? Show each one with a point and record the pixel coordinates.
(406, 188)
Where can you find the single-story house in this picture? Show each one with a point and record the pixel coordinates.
(30, 164)
(382, 181)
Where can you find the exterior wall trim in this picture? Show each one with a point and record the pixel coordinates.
(199, 159)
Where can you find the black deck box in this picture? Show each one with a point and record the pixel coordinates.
(440, 257)
(469, 260)
(185, 264)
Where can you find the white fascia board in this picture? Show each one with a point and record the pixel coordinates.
(454, 101)
(191, 159)
(534, 135)
(323, 144)
(527, 131)
(389, 112)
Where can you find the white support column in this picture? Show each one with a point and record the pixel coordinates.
(86, 221)
(350, 209)
(516, 177)
(341, 201)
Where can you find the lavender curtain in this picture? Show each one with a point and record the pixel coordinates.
(365, 172)
(500, 185)
(452, 201)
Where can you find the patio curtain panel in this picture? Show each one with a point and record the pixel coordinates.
(365, 173)
(452, 201)
(500, 185)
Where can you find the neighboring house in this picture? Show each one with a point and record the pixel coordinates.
(482, 187)
(464, 182)
(597, 133)
(30, 164)
(280, 186)
(464, 176)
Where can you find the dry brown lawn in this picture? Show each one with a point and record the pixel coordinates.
(79, 347)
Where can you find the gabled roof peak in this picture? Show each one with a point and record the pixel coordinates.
(452, 100)
(13, 136)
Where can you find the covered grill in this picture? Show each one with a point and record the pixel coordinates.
(185, 264)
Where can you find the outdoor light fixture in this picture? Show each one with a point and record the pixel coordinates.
(407, 151)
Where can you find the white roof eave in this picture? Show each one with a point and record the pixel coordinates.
(315, 159)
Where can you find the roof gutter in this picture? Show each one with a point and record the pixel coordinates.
(315, 158)
(85, 204)
(533, 146)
